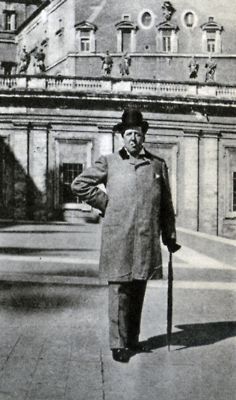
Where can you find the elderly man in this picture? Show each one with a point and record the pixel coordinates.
(137, 208)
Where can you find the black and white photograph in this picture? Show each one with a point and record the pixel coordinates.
(117, 200)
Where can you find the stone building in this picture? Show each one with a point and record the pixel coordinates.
(55, 124)
(12, 15)
(75, 34)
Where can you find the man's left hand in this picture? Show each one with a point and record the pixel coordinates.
(173, 246)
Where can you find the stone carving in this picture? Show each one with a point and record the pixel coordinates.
(125, 63)
(210, 70)
(24, 61)
(107, 63)
(193, 68)
(167, 10)
(40, 61)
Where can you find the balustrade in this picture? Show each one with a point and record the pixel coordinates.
(137, 87)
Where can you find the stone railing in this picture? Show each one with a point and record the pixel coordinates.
(115, 86)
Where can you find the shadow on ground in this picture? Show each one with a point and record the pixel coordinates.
(33, 298)
(194, 335)
(38, 251)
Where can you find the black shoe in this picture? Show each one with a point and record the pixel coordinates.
(121, 355)
(137, 347)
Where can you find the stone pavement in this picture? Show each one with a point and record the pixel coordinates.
(54, 333)
(54, 346)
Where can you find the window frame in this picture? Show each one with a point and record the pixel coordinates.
(9, 20)
(166, 43)
(211, 45)
(195, 19)
(125, 31)
(140, 16)
(66, 183)
(212, 30)
(85, 39)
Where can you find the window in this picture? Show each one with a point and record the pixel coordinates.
(211, 36)
(10, 20)
(189, 19)
(234, 191)
(85, 41)
(167, 38)
(166, 42)
(146, 19)
(211, 45)
(85, 37)
(7, 67)
(125, 40)
(85, 45)
(126, 32)
(69, 171)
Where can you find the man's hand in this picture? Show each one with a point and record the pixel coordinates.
(172, 245)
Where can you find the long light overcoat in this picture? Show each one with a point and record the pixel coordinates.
(137, 208)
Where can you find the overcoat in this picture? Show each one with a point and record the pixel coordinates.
(137, 208)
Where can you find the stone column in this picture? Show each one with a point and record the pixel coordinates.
(38, 170)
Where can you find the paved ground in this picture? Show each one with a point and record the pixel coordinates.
(54, 336)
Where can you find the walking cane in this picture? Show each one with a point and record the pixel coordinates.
(170, 295)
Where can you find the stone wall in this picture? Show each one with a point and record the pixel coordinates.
(38, 140)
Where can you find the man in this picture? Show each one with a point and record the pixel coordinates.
(137, 207)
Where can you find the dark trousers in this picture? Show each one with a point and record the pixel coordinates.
(125, 308)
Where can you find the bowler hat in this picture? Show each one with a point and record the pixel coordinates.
(131, 117)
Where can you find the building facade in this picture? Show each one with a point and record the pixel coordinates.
(55, 124)
(160, 40)
(12, 15)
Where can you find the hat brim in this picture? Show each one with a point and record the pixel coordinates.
(121, 127)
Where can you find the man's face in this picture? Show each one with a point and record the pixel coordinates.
(133, 139)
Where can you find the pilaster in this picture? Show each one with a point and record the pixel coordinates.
(208, 190)
(21, 157)
(190, 184)
(38, 169)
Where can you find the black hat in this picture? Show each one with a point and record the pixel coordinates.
(130, 118)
